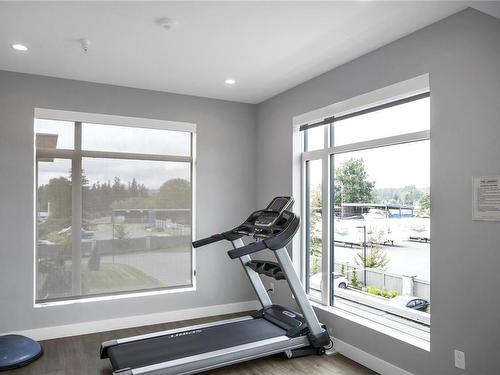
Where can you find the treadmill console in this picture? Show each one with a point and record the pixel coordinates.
(272, 228)
(273, 211)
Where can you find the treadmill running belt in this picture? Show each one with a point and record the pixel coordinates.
(187, 343)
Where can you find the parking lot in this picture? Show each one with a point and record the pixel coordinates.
(406, 258)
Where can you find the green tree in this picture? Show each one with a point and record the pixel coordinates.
(59, 198)
(119, 190)
(134, 202)
(316, 222)
(408, 198)
(352, 184)
(42, 198)
(175, 193)
(425, 204)
(133, 188)
(396, 199)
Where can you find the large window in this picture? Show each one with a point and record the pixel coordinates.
(114, 209)
(367, 208)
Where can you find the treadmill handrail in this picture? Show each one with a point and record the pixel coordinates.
(247, 250)
(208, 240)
(229, 235)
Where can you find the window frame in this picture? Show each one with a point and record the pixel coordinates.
(76, 156)
(326, 156)
(398, 93)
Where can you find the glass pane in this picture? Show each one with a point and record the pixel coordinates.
(54, 243)
(314, 225)
(136, 225)
(135, 140)
(315, 138)
(382, 220)
(405, 118)
(54, 134)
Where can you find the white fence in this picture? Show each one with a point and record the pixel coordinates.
(388, 281)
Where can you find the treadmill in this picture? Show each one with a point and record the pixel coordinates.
(271, 330)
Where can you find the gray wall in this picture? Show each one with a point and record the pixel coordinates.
(462, 55)
(225, 192)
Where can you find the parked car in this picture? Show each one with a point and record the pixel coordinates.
(45, 242)
(84, 233)
(411, 302)
(339, 281)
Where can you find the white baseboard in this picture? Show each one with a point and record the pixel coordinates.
(47, 333)
(366, 359)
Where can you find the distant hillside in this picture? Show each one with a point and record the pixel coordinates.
(406, 195)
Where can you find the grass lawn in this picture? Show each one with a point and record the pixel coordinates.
(116, 277)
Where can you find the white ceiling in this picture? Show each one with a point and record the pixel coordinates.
(267, 47)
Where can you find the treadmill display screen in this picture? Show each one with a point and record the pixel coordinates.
(266, 219)
(279, 204)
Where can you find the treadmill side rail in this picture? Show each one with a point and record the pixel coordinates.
(124, 371)
(220, 358)
(105, 346)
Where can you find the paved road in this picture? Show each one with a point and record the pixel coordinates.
(409, 258)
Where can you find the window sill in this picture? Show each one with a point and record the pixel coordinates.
(359, 316)
(115, 297)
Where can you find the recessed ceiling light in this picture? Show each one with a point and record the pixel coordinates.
(230, 81)
(19, 47)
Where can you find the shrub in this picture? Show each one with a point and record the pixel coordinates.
(120, 232)
(354, 278)
(315, 266)
(383, 293)
(376, 257)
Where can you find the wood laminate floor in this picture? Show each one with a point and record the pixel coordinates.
(79, 355)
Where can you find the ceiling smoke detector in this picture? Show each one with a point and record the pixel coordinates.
(167, 23)
(85, 43)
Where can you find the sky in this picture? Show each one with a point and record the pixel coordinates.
(391, 166)
(118, 139)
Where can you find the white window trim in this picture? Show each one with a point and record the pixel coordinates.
(136, 122)
(104, 119)
(397, 91)
(400, 90)
(118, 296)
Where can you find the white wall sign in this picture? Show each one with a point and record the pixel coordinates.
(486, 198)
